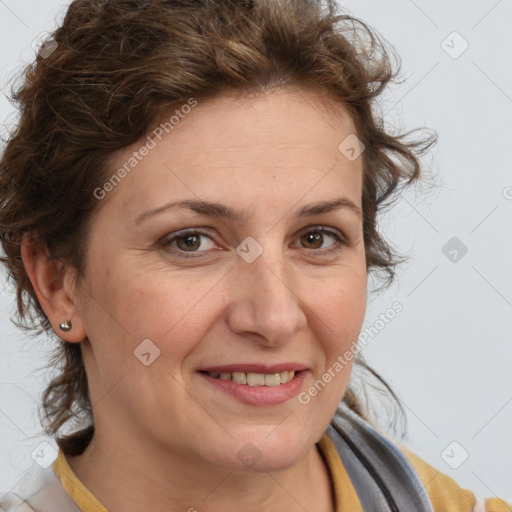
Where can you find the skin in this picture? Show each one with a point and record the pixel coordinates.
(170, 438)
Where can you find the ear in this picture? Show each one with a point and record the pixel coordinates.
(54, 285)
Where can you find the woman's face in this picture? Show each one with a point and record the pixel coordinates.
(257, 294)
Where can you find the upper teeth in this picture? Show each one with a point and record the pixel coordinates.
(256, 379)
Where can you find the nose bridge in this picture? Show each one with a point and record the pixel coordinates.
(266, 300)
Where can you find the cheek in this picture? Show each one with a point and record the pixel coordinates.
(340, 306)
(340, 310)
(128, 305)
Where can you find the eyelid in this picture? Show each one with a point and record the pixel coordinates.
(323, 229)
(168, 239)
(341, 240)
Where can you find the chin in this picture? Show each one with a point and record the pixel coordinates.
(265, 452)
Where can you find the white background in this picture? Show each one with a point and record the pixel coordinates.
(448, 353)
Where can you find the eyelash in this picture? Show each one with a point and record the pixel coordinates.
(340, 245)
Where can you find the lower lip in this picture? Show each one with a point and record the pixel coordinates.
(259, 395)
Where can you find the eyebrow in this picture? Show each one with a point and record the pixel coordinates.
(219, 210)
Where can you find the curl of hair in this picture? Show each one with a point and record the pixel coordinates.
(119, 66)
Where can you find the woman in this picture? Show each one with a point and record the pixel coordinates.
(189, 202)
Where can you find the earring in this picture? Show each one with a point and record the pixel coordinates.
(65, 326)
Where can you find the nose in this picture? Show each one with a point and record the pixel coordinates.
(265, 303)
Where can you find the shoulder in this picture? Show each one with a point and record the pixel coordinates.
(40, 490)
(396, 470)
(11, 502)
(445, 493)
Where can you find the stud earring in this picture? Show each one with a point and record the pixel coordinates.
(65, 326)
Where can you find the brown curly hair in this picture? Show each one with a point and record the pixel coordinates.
(114, 67)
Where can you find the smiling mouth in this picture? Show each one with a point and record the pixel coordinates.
(254, 379)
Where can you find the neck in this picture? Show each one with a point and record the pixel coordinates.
(166, 482)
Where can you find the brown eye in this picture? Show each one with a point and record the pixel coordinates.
(190, 242)
(187, 243)
(315, 238)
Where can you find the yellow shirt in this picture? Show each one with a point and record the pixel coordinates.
(445, 494)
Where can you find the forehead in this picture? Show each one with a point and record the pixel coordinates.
(283, 138)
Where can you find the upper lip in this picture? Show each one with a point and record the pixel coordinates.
(255, 368)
